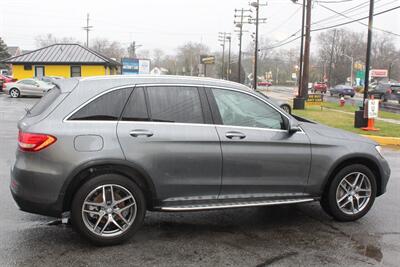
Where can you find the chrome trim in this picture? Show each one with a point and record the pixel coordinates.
(235, 205)
(182, 85)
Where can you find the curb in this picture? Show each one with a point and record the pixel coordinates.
(385, 141)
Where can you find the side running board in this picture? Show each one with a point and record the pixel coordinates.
(227, 205)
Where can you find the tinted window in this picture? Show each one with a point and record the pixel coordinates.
(240, 109)
(44, 102)
(29, 82)
(106, 107)
(136, 109)
(175, 104)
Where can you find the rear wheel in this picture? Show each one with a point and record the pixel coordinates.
(108, 209)
(15, 93)
(351, 193)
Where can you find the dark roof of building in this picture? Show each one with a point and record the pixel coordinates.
(61, 54)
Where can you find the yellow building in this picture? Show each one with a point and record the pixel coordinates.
(65, 60)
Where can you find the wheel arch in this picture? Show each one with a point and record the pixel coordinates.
(364, 160)
(88, 170)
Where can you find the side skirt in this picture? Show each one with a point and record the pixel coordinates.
(233, 204)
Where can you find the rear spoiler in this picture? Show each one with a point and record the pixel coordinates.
(66, 85)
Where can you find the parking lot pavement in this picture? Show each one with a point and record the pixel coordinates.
(277, 236)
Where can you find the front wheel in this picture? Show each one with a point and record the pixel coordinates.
(108, 209)
(14, 93)
(350, 194)
(286, 108)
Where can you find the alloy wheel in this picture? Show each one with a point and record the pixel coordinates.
(14, 93)
(109, 210)
(353, 193)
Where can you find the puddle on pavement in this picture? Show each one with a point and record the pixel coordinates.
(368, 246)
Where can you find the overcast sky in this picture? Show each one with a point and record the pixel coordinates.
(167, 24)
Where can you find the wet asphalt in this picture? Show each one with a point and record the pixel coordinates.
(297, 235)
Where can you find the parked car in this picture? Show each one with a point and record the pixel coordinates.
(386, 91)
(282, 104)
(112, 147)
(5, 79)
(25, 87)
(342, 90)
(320, 87)
(50, 79)
(265, 83)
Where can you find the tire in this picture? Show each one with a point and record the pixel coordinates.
(331, 94)
(352, 96)
(286, 108)
(14, 93)
(349, 212)
(90, 225)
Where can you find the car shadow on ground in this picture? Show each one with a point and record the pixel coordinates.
(244, 236)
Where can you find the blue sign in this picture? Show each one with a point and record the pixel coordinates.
(130, 66)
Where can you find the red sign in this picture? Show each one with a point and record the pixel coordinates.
(378, 73)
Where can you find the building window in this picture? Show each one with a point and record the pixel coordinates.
(27, 67)
(75, 71)
(39, 71)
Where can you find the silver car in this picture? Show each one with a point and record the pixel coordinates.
(27, 87)
(103, 150)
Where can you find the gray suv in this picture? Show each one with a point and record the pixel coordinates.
(106, 149)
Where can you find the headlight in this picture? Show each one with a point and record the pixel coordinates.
(379, 149)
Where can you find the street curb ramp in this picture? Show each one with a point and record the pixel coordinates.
(385, 141)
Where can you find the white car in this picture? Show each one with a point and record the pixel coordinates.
(25, 87)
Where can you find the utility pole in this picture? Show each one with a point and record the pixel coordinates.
(359, 120)
(228, 73)
(298, 102)
(87, 28)
(239, 24)
(222, 37)
(306, 66)
(256, 5)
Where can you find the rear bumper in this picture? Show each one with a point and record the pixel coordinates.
(29, 197)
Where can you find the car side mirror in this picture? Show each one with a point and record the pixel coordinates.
(293, 128)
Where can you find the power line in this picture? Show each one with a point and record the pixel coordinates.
(376, 28)
(287, 41)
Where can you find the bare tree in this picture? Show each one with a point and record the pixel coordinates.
(50, 39)
(108, 48)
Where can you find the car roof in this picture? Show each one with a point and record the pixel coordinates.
(120, 80)
(103, 83)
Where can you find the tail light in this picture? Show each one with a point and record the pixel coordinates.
(34, 142)
(389, 91)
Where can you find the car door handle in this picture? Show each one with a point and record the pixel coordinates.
(140, 132)
(235, 135)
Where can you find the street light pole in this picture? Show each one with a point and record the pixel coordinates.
(351, 68)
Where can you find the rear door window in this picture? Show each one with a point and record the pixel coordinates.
(107, 107)
(175, 104)
(136, 109)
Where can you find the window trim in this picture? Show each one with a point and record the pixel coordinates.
(199, 86)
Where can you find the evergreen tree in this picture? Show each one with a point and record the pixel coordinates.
(3, 50)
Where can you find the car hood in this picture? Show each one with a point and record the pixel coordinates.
(313, 130)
